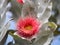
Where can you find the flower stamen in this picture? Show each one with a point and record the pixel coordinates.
(28, 27)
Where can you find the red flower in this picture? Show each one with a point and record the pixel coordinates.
(20, 1)
(28, 27)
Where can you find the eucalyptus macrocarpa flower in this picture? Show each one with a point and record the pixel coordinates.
(28, 27)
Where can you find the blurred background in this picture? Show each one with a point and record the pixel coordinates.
(14, 12)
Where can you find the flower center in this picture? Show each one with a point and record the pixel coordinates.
(28, 27)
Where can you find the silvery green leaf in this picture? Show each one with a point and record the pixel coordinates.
(44, 8)
(45, 35)
(44, 18)
(3, 25)
(44, 40)
(20, 41)
(44, 31)
(41, 6)
(3, 4)
(3, 30)
(28, 9)
(16, 9)
(3, 14)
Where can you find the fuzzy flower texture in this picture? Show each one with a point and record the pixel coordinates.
(20, 1)
(27, 27)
